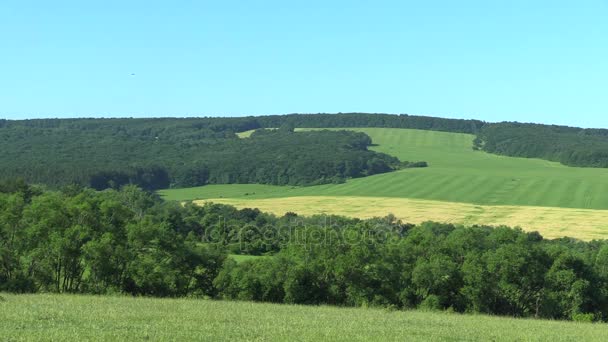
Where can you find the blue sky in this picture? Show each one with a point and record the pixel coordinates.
(532, 61)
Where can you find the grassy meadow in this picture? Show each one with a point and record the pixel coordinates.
(244, 257)
(45, 317)
(457, 175)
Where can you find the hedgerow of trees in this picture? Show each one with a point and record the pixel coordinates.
(128, 241)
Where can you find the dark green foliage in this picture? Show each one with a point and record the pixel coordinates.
(151, 178)
(371, 120)
(100, 242)
(433, 267)
(408, 165)
(159, 153)
(567, 145)
(127, 241)
(282, 157)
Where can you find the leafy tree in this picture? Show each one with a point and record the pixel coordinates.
(131, 242)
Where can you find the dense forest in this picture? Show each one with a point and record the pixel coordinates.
(371, 120)
(159, 153)
(128, 241)
(567, 145)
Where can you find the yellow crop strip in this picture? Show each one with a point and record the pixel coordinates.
(551, 222)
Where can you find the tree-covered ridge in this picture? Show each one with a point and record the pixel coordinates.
(83, 241)
(153, 126)
(181, 152)
(371, 120)
(570, 146)
(162, 153)
(567, 145)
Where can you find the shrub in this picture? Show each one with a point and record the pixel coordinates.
(431, 303)
(583, 317)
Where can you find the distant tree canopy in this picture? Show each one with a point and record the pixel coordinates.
(567, 145)
(342, 120)
(183, 152)
(159, 153)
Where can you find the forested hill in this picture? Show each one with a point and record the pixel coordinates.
(181, 152)
(159, 153)
(568, 145)
(372, 120)
(155, 126)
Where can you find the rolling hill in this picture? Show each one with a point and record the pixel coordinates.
(461, 186)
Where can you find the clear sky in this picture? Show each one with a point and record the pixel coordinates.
(528, 60)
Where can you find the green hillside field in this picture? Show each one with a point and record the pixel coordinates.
(79, 318)
(473, 181)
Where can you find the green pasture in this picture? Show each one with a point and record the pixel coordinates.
(245, 257)
(46, 317)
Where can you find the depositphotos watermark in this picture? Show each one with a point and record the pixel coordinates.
(308, 233)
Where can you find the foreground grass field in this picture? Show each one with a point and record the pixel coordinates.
(78, 318)
(457, 174)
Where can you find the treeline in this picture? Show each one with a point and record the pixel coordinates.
(341, 120)
(162, 153)
(82, 241)
(567, 145)
(159, 126)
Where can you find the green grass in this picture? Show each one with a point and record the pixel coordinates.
(247, 134)
(44, 317)
(244, 257)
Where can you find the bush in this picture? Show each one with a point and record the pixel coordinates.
(583, 317)
(431, 303)
(408, 165)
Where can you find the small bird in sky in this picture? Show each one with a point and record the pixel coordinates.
(132, 74)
